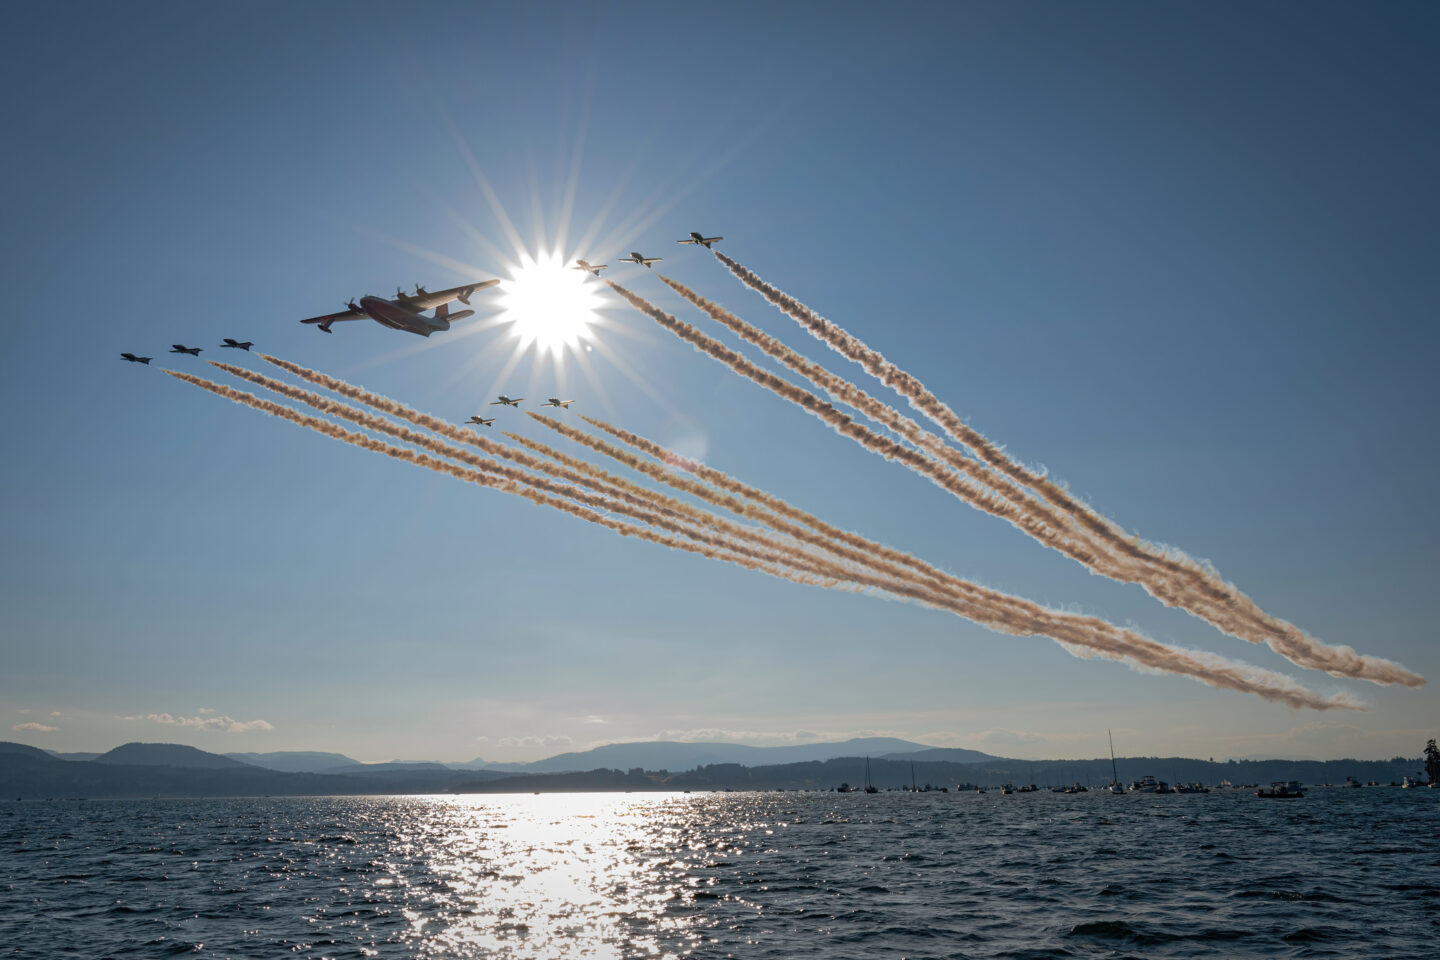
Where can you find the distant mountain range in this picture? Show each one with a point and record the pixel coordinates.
(679, 756)
(295, 761)
(173, 770)
(652, 755)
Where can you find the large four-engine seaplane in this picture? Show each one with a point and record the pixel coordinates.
(407, 311)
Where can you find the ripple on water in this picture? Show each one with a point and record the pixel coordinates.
(714, 875)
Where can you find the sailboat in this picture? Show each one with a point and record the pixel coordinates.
(1114, 775)
(869, 787)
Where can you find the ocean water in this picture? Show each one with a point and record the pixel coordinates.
(1340, 873)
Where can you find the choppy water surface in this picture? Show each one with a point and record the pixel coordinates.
(1341, 873)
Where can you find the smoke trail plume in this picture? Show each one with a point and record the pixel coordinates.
(1131, 568)
(1070, 631)
(533, 489)
(763, 549)
(999, 611)
(1170, 576)
(845, 425)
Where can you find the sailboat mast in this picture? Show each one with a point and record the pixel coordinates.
(1114, 777)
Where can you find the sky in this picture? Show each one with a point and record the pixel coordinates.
(1182, 256)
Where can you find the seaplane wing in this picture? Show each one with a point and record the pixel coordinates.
(330, 318)
(423, 299)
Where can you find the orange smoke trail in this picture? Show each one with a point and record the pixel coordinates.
(999, 611)
(426, 440)
(1138, 651)
(769, 551)
(1170, 576)
(844, 424)
(533, 489)
(1125, 569)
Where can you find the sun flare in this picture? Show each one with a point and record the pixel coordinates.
(549, 304)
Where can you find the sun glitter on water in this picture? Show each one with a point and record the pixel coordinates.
(549, 304)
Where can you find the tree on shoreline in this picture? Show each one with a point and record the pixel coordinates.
(1432, 762)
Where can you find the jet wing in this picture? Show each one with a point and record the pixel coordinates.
(433, 299)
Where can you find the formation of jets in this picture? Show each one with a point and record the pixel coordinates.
(639, 259)
(407, 311)
(504, 401)
(193, 351)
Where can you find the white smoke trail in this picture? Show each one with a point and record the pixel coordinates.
(1170, 576)
(1070, 631)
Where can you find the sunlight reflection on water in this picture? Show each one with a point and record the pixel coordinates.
(556, 875)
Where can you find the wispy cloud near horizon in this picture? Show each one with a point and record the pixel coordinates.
(211, 721)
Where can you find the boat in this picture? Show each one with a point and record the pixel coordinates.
(1282, 790)
(869, 787)
(1191, 788)
(1114, 774)
(1412, 782)
(1146, 784)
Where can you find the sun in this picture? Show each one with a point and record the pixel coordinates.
(548, 304)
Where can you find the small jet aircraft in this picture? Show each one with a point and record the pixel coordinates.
(181, 348)
(594, 268)
(557, 402)
(506, 401)
(238, 344)
(636, 258)
(703, 241)
(134, 359)
(407, 311)
(480, 420)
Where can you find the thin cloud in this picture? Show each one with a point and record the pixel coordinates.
(213, 722)
(533, 742)
(33, 728)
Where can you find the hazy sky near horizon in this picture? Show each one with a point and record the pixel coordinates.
(1181, 255)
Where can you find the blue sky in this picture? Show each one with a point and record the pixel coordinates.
(1181, 255)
